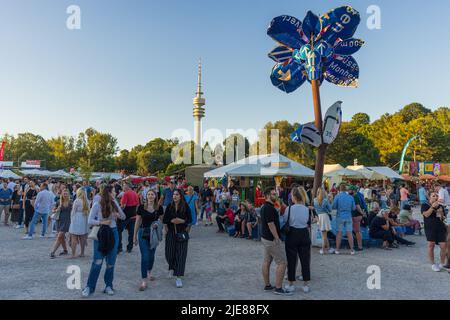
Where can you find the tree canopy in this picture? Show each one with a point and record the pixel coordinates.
(378, 143)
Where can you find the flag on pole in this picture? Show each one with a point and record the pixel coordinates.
(2, 150)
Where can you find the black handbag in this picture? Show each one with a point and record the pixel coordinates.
(181, 236)
(286, 225)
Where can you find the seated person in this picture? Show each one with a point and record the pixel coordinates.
(225, 219)
(373, 213)
(251, 219)
(239, 220)
(406, 218)
(380, 228)
(399, 228)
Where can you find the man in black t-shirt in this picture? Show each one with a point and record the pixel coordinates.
(273, 247)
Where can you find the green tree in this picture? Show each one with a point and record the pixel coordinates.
(62, 151)
(99, 148)
(351, 144)
(26, 146)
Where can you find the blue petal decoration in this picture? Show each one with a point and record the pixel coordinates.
(311, 25)
(286, 30)
(344, 72)
(340, 23)
(348, 47)
(280, 54)
(288, 77)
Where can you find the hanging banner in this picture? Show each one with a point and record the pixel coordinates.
(437, 169)
(444, 169)
(421, 168)
(2, 150)
(413, 169)
(31, 164)
(429, 168)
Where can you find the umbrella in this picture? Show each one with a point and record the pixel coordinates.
(444, 178)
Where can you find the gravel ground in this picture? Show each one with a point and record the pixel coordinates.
(219, 267)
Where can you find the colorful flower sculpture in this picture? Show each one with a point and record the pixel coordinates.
(316, 49)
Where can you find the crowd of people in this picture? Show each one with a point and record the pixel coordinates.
(149, 212)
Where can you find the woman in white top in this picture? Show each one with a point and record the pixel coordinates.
(104, 213)
(298, 239)
(79, 222)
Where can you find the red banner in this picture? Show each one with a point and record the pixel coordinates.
(33, 162)
(2, 150)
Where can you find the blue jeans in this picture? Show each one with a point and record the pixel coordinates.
(202, 211)
(35, 219)
(403, 203)
(97, 263)
(147, 255)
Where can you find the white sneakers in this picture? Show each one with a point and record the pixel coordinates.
(435, 267)
(289, 288)
(170, 275)
(109, 291)
(330, 251)
(179, 283)
(337, 252)
(352, 252)
(27, 237)
(19, 226)
(86, 292)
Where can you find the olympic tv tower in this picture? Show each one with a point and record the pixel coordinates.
(198, 110)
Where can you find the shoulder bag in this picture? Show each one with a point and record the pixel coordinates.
(94, 232)
(181, 236)
(286, 225)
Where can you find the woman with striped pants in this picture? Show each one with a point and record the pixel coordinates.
(176, 220)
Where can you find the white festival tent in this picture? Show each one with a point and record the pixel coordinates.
(387, 172)
(46, 173)
(345, 173)
(332, 167)
(6, 174)
(368, 173)
(268, 165)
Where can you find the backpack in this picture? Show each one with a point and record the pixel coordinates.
(106, 240)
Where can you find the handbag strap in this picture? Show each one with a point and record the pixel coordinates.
(289, 216)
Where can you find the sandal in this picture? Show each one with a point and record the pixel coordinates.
(52, 255)
(387, 248)
(64, 253)
(152, 278)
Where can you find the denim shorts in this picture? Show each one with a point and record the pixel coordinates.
(344, 225)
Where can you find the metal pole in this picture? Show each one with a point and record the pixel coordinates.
(320, 156)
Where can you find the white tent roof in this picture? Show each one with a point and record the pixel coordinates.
(332, 167)
(268, 165)
(6, 174)
(368, 173)
(387, 172)
(345, 173)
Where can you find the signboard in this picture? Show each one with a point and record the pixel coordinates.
(6, 164)
(332, 123)
(31, 164)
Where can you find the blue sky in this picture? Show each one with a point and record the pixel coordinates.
(132, 68)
